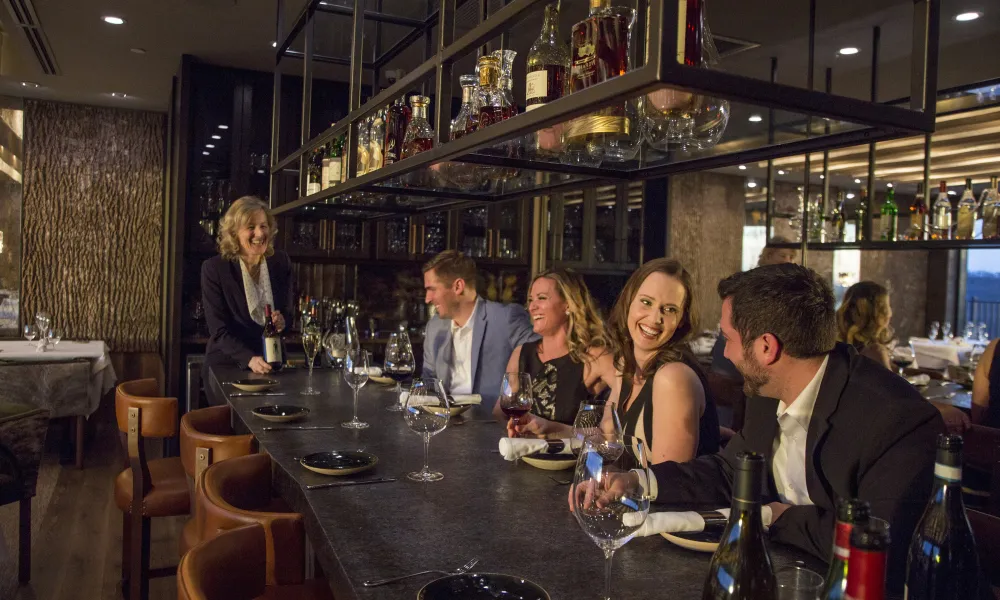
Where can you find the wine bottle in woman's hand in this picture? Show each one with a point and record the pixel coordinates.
(273, 354)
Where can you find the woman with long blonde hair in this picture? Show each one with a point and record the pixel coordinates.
(863, 321)
(567, 362)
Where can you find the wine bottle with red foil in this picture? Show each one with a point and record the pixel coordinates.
(942, 563)
(741, 567)
(866, 563)
(273, 354)
(850, 514)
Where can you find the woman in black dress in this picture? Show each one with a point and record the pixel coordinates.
(566, 363)
(237, 285)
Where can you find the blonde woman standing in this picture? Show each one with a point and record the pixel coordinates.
(237, 285)
(567, 362)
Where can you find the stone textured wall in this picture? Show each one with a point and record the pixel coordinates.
(93, 201)
(905, 274)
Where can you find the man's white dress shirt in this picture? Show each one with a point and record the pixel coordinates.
(789, 450)
(461, 355)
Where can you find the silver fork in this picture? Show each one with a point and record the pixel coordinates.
(463, 569)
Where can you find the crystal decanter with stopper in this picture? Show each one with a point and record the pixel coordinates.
(419, 138)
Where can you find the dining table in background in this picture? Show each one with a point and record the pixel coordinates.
(513, 517)
(68, 379)
(939, 354)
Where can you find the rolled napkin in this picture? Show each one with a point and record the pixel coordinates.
(922, 379)
(691, 521)
(374, 371)
(456, 400)
(515, 448)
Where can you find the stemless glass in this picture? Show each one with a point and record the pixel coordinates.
(399, 365)
(356, 374)
(593, 419)
(932, 332)
(311, 336)
(426, 413)
(610, 500)
(946, 331)
(516, 395)
(903, 356)
(30, 332)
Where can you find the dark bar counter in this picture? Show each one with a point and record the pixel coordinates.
(513, 517)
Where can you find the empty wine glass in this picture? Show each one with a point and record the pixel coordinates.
(903, 356)
(43, 320)
(311, 336)
(946, 331)
(516, 395)
(983, 333)
(970, 332)
(974, 357)
(932, 331)
(54, 335)
(426, 413)
(399, 365)
(356, 374)
(594, 419)
(31, 332)
(610, 500)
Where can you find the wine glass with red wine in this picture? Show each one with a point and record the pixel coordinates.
(902, 357)
(399, 365)
(516, 395)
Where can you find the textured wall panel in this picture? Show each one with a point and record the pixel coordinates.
(905, 274)
(93, 201)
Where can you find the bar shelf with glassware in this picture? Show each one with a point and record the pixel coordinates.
(629, 110)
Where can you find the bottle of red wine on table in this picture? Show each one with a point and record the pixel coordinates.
(850, 514)
(273, 354)
(741, 566)
(942, 563)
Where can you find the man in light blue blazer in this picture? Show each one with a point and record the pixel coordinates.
(468, 343)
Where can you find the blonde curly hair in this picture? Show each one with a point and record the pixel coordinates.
(585, 328)
(863, 317)
(238, 216)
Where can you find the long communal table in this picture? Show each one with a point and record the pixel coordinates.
(513, 517)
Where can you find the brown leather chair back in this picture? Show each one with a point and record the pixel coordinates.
(229, 566)
(210, 429)
(981, 452)
(158, 416)
(236, 492)
(986, 529)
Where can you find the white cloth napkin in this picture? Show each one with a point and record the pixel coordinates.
(686, 521)
(922, 379)
(515, 448)
(455, 400)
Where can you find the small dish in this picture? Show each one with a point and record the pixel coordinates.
(550, 462)
(701, 541)
(481, 586)
(339, 462)
(280, 413)
(255, 385)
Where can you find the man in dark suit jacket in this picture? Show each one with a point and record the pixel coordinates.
(832, 423)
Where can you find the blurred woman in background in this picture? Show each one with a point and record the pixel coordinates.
(863, 321)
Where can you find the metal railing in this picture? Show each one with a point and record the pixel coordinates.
(984, 311)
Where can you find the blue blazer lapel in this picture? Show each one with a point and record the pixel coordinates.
(478, 333)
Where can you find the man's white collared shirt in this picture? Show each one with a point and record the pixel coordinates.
(461, 355)
(789, 450)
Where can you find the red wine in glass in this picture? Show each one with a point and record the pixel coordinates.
(514, 412)
(398, 375)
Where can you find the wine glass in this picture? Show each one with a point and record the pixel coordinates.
(946, 331)
(970, 331)
(54, 335)
(516, 395)
(426, 412)
(311, 335)
(610, 499)
(594, 419)
(983, 333)
(903, 356)
(932, 332)
(30, 332)
(43, 320)
(356, 374)
(399, 365)
(974, 357)
(335, 344)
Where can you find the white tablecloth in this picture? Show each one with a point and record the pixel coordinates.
(938, 354)
(102, 373)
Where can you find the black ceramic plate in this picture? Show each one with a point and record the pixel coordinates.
(255, 385)
(280, 413)
(339, 462)
(481, 586)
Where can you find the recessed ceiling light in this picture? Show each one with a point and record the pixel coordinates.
(216, 137)
(137, 50)
(952, 193)
(210, 145)
(780, 172)
(967, 16)
(857, 181)
(848, 51)
(822, 176)
(223, 126)
(888, 185)
(756, 118)
(743, 167)
(261, 171)
(850, 195)
(113, 20)
(205, 152)
(274, 44)
(29, 84)
(751, 184)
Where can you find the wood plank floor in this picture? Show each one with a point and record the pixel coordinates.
(76, 529)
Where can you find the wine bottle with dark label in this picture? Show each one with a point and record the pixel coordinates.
(741, 567)
(273, 354)
(942, 563)
(866, 564)
(850, 514)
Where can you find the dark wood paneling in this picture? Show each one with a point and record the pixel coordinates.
(93, 198)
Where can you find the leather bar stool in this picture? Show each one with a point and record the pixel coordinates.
(206, 437)
(237, 492)
(147, 488)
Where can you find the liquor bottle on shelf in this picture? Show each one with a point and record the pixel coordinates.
(918, 216)
(990, 202)
(890, 216)
(460, 124)
(376, 139)
(419, 135)
(397, 118)
(741, 566)
(324, 172)
(506, 82)
(967, 207)
(364, 148)
(817, 231)
(942, 562)
(489, 97)
(835, 220)
(850, 514)
(315, 168)
(334, 168)
(273, 354)
(860, 214)
(866, 563)
(941, 221)
(547, 64)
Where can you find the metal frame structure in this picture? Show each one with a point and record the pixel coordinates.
(879, 121)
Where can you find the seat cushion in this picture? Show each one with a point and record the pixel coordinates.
(168, 495)
(313, 589)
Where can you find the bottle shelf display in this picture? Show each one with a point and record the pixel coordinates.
(619, 96)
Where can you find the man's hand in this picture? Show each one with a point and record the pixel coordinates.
(278, 319)
(603, 493)
(777, 509)
(258, 365)
(955, 420)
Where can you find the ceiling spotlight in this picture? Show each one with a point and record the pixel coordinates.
(261, 171)
(210, 145)
(848, 51)
(888, 185)
(967, 16)
(756, 118)
(857, 181)
(216, 137)
(274, 44)
(822, 176)
(29, 84)
(952, 193)
(743, 167)
(751, 184)
(205, 152)
(850, 195)
(223, 126)
(137, 50)
(780, 172)
(112, 20)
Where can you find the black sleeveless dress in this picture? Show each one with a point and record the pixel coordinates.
(558, 384)
(637, 421)
(993, 410)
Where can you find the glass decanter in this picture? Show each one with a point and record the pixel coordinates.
(464, 176)
(397, 119)
(489, 98)
(506, 58)
(419, 138)
(460, 124)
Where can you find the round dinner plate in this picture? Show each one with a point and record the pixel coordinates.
(255, 385)
(280, 413)
(702, 541)
(339, 462)
(550, 462)
(481, 586)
